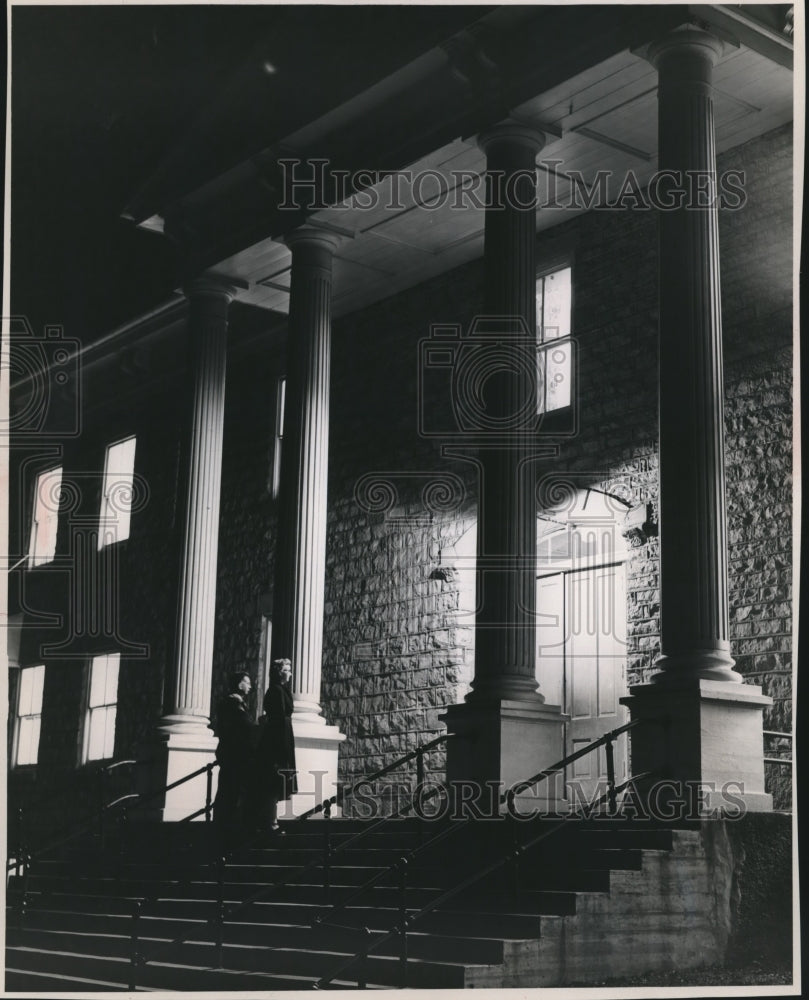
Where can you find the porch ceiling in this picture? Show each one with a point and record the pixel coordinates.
(604, 118)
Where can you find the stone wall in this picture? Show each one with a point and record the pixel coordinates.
(398, 643)
(393, 653)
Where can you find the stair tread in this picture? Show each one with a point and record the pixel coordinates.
(266, 925)
(124, 961)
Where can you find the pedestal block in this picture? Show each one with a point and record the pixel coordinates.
(316, 750)
(699, 732)
(167, 758)
(505, 742)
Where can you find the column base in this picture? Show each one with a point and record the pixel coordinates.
(316, 752)
(168, 757)
(504, 742)
(704, 739)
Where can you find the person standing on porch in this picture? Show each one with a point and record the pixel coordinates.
(235, 751)
(276, 750)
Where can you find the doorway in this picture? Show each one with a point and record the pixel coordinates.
(581, 634)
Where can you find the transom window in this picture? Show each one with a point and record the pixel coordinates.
(554, 352)
(102, 705)
(29, 715)
(116, 498)
(45, 518)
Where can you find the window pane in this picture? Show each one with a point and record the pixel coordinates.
(111, 681)
(282, 393)
(25, 698)
(116, 501)
(28, 740)
(32, 682)
(37, 688)
(280, 407)
(557, 371)
(95, 736)
(540, 284)
(109, 731)
(45, 521)
(97, 680)
(556, 313)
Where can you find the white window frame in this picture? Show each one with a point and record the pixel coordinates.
(280, 409)
(117, 491)
(548, 345)
(101, 706)
(45, 517)
(28, 723)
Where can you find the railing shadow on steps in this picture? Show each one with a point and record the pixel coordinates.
(98, 822)
(223, 913)
(217, 923)
(406, 920)
(24, 860)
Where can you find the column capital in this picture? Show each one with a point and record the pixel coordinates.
(309, 236)
(216, 285)
(512, 132)
(687, 40)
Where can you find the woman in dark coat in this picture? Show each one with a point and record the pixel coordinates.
(276, 750)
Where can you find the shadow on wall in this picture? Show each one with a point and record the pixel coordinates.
(756, 851)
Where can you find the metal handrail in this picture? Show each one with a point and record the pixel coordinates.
(342, 794)
(779, 760)
(511, 856)
(97, 819)
(224, 913)
(507, 798)
(605, 740)
(405, 921)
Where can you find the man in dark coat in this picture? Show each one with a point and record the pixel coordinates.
(236, 750)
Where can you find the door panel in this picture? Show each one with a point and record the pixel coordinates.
(551, 638)
(582, 657)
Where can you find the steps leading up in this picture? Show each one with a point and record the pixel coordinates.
(76, 932)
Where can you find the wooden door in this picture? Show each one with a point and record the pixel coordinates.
(581, 664)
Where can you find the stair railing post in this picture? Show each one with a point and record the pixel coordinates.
(327, 851)
(20, 849)
(102, 826)
(122, 826)
(612, 798)
(516, 852)
(362, 975)
(208, 793)
(26, 879)
(220, 911)
(134, 953)
(403, 923)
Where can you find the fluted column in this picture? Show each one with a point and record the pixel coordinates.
(201, 472)
(505, 639)
(700, 731)
(300, 567)
(506, 730)
(694, 587)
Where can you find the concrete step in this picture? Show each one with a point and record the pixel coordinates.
(32, 981)
(106, 958)
(497, 895)
(65, 970)
(110, 934)
(509, 921)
